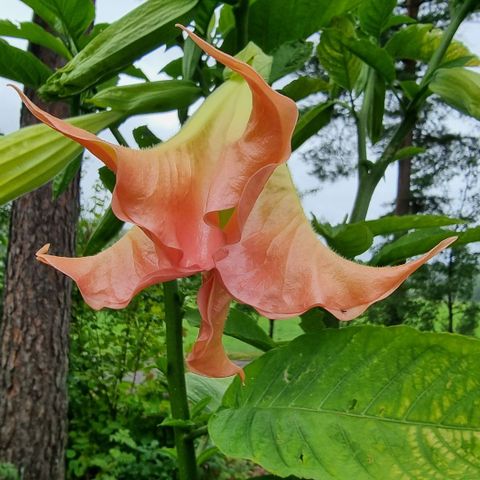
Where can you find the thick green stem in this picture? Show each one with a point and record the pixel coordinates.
(366, 187)
(187, 465)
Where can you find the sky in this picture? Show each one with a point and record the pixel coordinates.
(330, 202)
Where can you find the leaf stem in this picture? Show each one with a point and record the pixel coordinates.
(187, 465)
(118, 136)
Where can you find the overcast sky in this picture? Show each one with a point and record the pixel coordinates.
(331, 203)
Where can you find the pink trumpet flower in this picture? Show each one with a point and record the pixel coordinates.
(218, 199)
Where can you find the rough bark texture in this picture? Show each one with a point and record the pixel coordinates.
(35, 324)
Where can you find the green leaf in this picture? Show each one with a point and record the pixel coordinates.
(63, 179)
(22, 66)
(373, 55)
(408, 152)
(34, 33)
(146, 27)
(397, 223)
(200, 387)
(396, 20)
(174, 68)
(106, 230)
(409, 245)
(348, 240)
(33, 155)
(289, 57)
(68, 17)
(302, 87)
(148, 97)
(364, 403)
(458, 87)
(144, 137)
(274, 22)
(469, 236)
(341, 64)
(420, 41)
(107, 178)
(374, 14)
(240, 325)
(374, 106)
(310, 122)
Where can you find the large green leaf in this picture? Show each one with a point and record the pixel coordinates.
(34, 33)
(342, 65)
(302, 87)
(420, 41)
(348, 240)
(140, 31)
(274, 22)
(374, 56)
(199, 388)
(33, 155)
(70, 18)
(409, 245)
(374, 14)
(364, 403)
(458, 87)
(311, 120)
(289, 57)
(148, 96)
(21, 66)
(397, 223)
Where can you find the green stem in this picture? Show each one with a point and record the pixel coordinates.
(187, 465)
(118, 136)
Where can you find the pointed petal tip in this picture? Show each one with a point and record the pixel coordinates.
(43, 250)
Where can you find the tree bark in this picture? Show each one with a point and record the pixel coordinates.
(403, 202)
(35, 323)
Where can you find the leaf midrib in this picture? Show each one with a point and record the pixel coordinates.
(363, 416)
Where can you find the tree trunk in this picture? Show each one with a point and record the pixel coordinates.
(403, 201)
(35, 323)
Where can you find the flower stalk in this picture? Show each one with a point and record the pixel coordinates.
(187, 465)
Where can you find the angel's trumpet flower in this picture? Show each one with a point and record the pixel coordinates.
(199, 204)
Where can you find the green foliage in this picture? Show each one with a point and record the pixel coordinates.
(8, 472)
(302, 87)
(311, 120)
(148, 97)
(460, 88)
(374, 15)
(420, 41)
(34, 33)
(33, 155)
(117, 394)
(342, 65)
(140, 31)
(388, 402)
(22, 66)
(267, 26)
(70, 18)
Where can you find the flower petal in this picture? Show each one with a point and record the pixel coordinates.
(105, 151)
(282, 269)
(208, 356)
(112, 277)
(215, 167)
